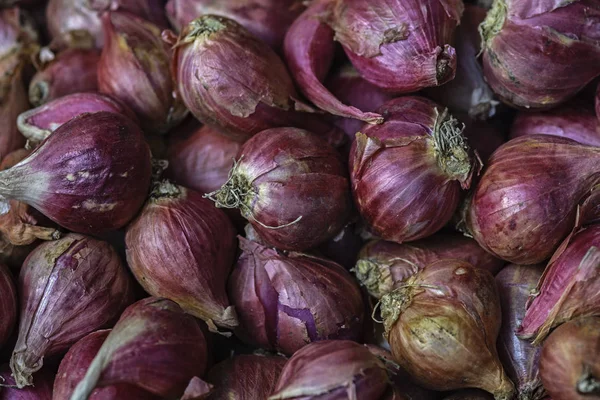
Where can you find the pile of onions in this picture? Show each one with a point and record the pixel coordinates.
(8, 304)
(182, 248)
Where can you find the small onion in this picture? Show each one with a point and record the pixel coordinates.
(408, 172)
(8, 305)
(387, 42)
(285, 302)
(569, 364)
(383, 266)
(72, 71)
(154, 346)
(90, 176)
(41, 391)
(526, 202)
(182, 248)
(442, 327)
(291, 186)
(569, 287)
(68, 288)
(519, 357)
(332, 369)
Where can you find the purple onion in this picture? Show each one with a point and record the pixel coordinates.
(8, 305)
(41, 391)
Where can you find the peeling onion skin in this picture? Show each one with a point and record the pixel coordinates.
(291, 186)
(8, 305)
(91, 175)
(286, 301)
(197, 252)
(407, 173)
(383, 266)
(75, 364)
(519, 357)
(309, 375)
(442, 328)
(521, 209)
(569, 287)
(69, 288)
(41, 391)
(569, 364)
(560, 56)
(388, 44)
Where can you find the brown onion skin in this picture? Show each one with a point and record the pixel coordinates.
(521, 210)
(519, 357)
(562, 51)
(569, 363)
(41, 391)
(90, 176)
(245, 377)
(427, 180)
(442, 328)
(295, 188)
(72, 71)
(387, 44)
(75, 364)
(197, 252)
(68, 288)
(309, 373)
(383, 266)
(568, 288)
(286, 301)
(154, 346)
(8, 304)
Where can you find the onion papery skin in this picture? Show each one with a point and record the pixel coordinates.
(68, 288)
(75, 364)
(268, 20)
(182, 248)
(291, 186)
(90, 176)
(286, 301)
(41, 391)
(442, 327)
(569, 287)
(72, 71)
(519, 357)
(561, 53)
(390, 46)
(8, 304)
(38, 123)
(407, 173)
(383, 266)
(245, 377)
(522, 209)
(573, 122)
(332, 369)
(13, 101)
(569, 363)
(154, 346)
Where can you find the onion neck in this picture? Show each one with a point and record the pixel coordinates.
(452, 150)
(370, 275)
(204, 27)
(166, 190)
(234, 193)
(393, 305)
(493, 22)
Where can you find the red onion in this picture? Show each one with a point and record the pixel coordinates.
(75, 364)
(38, 123)
(568, 288)
(69, 288)
(245, 377)
(8, 305)
(442, 327)
(13, 101)
(268, 20)
(41, 391)
(383, 266)
(520, 358)
(573, 122)
(90, 176)
(203, 160)
(182, 248)
(72, 71)
(285, 301)
(408, 172)
(154, 346)
(527, 200)
(134, 68)
(291, 186)
(332, 369)
(569, 364)
(470, 394)
(309, 51)
(538, 54)
(388, 44)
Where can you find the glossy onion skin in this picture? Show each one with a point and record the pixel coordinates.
(8, 304)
